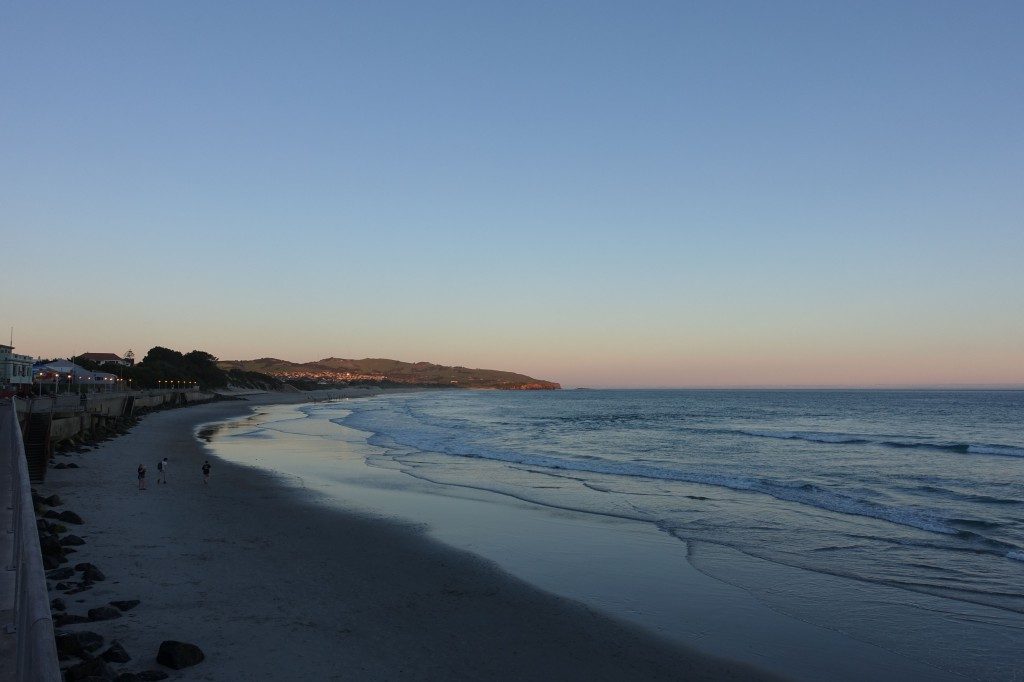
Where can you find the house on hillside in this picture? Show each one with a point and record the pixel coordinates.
(106, 357)
(15, 369)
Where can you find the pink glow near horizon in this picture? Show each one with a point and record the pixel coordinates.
(603, 364)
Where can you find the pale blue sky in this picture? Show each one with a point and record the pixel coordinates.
(597, 193)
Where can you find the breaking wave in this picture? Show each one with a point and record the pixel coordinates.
(846, 438)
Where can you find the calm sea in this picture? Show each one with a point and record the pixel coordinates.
(919, 492)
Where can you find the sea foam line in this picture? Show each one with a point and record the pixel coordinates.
(859, 439)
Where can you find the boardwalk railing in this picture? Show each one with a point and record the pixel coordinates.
(26, 642)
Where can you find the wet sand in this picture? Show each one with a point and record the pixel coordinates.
(271, 584)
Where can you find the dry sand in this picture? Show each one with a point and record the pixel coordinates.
(274, 586)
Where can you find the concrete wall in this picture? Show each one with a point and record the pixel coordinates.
(73, 417)
(27, 648)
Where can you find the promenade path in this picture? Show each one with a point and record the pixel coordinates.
(27, 649)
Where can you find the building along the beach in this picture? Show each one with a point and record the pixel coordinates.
(15, 369)
(65, 376)
(102, 358)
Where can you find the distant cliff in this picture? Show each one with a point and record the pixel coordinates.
(382, 371)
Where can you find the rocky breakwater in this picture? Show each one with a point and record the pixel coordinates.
(86, 626)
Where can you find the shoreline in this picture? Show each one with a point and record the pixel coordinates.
(270, 583)
(622, 567)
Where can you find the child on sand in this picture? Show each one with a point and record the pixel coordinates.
(142, 476)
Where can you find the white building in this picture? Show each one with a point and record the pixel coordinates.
(64, 375)
(15, 369)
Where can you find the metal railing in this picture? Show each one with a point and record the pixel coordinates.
(31, 625)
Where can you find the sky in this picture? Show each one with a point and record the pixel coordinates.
(598, 193)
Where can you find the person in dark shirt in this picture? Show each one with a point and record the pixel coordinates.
(206, 472)
(142, 477)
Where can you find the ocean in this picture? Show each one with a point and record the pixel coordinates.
(895, 517)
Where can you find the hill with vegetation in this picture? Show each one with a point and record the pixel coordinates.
(381, 371)
(166, 368)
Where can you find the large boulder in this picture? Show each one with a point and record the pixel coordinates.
(62, 619)
(144, 676)
(78, 643)
(58, 604)
(116, 653)
(60, 573)
(179, 655)
(90, 669)
(126, 604)
(49, 545)
(89, 572)
(72, 540)
(70, 517)
(53, 500)
(104, 613)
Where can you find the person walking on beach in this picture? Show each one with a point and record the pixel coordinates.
(142, 476)
(206, 472)
(161, 466)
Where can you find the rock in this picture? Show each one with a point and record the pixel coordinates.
(126, 605)
(60, 573)
(89, 572)
(50, 514)
(68, 619)
(49, 544)
(91, 669)
(60, 465)
(50, 561)
(82, 587)
(72, 540)
(62, 586)
(116, 653)
(58, 528)
(53, 500)
(72, 465)
(178, 655)
(70, 550)
(144, 676)
(78, 643)
(42, 525)
(58, 605)
(71, 517)
(93, 575)
(37, 498)
(104, 613)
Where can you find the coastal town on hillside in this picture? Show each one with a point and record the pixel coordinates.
(91, 372)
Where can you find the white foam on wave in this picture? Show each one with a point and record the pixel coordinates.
(1017, 555)
(811, 436)
(804, 494)
(1001, 450)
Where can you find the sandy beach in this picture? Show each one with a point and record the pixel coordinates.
(272, 585)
